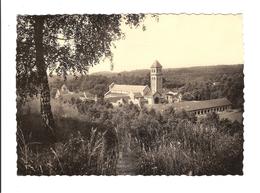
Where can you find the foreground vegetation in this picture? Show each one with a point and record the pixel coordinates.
(91, 135)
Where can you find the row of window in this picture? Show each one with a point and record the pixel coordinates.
(158, 78)
(217, 109)
(158, 70)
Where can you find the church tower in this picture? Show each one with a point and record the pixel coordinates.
(156, 77)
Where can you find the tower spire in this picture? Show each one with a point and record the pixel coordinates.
(156, 77)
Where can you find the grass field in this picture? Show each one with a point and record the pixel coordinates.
(234, 115)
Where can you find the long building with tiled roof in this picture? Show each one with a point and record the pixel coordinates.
(203, 107)
(127, 89)
(197, 107)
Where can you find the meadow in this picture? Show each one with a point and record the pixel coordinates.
(235, 115)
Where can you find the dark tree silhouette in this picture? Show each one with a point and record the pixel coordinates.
(62, 45)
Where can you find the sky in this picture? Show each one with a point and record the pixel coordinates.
(179, 41)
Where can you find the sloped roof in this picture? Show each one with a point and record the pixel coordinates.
(137, 94)
(150, 94)
(172, 93)
(111, 95)
(115, 99)
(193, 105)
(156, 64)
(196, 105)
(128, 88)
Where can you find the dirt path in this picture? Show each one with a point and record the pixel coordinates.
(127, 164)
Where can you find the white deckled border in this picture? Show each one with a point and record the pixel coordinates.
(247, 183)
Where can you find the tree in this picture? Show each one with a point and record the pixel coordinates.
(187, 96)
(146, 79)
(212, 120)
(62, 45)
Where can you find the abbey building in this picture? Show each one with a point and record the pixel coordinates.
(155, 96)
(159, 98)
(138, 94)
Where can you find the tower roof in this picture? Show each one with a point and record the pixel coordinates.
(156, 64)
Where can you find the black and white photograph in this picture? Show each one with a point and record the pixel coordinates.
(129, 94)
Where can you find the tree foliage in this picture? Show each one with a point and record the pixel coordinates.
(71, 44)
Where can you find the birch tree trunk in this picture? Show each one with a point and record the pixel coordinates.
(46, 113)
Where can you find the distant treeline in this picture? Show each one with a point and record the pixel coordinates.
(195, 83)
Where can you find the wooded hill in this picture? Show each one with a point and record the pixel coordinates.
(195, 83)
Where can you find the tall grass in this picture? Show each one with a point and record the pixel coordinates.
(77, 156)
(194, 151)
(163, 143)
